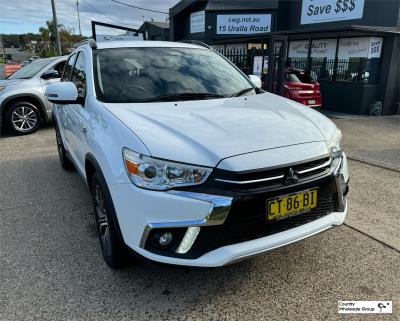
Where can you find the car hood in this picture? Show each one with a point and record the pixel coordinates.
(10, 82)
(204, 132)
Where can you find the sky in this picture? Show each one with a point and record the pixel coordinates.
(22, 16)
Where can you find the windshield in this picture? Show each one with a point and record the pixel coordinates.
(32, 69)
(165, 74)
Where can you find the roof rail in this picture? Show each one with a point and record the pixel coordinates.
(197, 42)
(90, 41)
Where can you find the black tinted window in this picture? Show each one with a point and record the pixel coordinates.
(68, 68)
(79, 75)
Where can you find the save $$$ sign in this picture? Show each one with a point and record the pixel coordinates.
(317, 11)
(243, 24)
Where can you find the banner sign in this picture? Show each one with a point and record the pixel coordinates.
(324, 48)
(365, 47)
(124, 37)
(243, 24)
(197, 22)
(257, 65)
(317, 11)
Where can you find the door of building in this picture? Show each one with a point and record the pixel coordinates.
(276, 63)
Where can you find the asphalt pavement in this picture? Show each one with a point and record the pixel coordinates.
(52, 269)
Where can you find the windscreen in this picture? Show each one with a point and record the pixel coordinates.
(146, 74)
(31, 70)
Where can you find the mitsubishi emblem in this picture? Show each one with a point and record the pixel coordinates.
(291, 177)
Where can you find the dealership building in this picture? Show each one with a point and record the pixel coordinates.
(351, 46)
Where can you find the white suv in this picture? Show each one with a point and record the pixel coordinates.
(190, 163)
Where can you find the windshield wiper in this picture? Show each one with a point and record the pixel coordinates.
(242, 92)
(184, 96)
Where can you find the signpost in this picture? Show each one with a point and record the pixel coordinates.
(197, 21)
(243, 24)
(130, 33)
(257, 65)
(317, 11)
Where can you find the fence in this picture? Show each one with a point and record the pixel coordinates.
(241, 57)
(353, 69)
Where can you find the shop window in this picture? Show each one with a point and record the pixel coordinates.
(323, 53)
(297, 55)
(359, 59)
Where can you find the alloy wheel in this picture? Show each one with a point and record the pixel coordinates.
(102, 221)
(59, 145)
(24, 118)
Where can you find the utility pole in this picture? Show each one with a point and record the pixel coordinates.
(4, 48)
(55, 23)
(79, 20)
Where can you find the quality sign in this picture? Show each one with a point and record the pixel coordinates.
(317, 11)
(243, 24)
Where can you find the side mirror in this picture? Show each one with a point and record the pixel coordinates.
(50, 74)
(256, 81)
(62, 93)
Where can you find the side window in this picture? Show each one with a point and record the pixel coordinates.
(79, 75)
(68, 68)
(59, 67)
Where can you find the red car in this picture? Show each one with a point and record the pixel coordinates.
(300, 86)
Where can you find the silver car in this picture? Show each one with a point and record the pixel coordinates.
(23, 107)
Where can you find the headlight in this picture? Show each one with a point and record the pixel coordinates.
(2, 87)
(157, 174)
(335, 148)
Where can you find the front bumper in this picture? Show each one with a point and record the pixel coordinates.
(150, 211)
(237, 252)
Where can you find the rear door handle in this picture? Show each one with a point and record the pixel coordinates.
(84, 130)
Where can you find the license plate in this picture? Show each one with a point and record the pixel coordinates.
(311, 102)
(290, 205)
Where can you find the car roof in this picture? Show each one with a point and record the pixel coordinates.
(144, 44)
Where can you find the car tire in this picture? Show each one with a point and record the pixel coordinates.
(112, 247)
(62, 154)
(22, 118)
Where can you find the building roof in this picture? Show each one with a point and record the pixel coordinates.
(221, 5)
(214, 5)
(350, 28)
(144, 43)
(160, 24)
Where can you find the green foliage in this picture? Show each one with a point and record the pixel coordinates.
(46, 40)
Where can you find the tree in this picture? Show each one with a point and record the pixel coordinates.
(67, 38)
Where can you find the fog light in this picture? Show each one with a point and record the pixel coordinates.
(165, 238)
(188, 240)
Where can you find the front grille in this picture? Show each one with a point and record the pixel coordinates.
(247, 218)
(271, 178)
(244, 228)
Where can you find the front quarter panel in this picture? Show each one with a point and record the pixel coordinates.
(106, 137)
(323, 123)
(30, 87)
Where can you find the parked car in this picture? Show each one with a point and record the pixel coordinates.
(300, 86)
(189, 162)
(25, 63)
(33, 58)
(23, 107)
